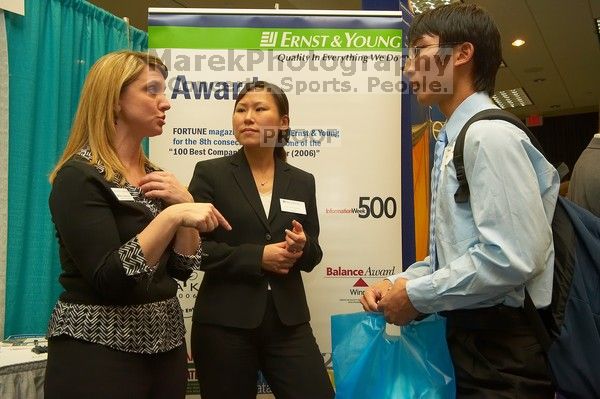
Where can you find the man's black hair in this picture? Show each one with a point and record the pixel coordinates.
(459, 23)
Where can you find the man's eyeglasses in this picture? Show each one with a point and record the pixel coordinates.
(414, 52)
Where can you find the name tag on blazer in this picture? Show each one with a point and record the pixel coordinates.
(122, 194)
(292, 206)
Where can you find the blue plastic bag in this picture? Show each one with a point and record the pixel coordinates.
(369, 363)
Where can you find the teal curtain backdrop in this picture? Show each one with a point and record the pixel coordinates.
(3, 163)
(50, 50)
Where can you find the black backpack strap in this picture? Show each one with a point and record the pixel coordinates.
(462, 193)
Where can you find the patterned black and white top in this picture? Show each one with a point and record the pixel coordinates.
(112, 296)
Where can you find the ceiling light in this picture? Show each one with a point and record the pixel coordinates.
(511, 98)
(598, 27)
(518, 43)
(420, 6)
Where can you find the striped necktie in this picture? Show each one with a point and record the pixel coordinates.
(438, 153)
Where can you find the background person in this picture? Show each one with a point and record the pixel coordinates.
(125, 230)
(251, 312)
(584, 186)
(483, 253)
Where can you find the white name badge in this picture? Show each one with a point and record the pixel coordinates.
(292, 206)
(122, 194)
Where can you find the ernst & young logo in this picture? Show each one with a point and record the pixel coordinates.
(268, 39)
(307, 39)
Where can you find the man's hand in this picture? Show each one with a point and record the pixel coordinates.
(396, 306)
(372, 295)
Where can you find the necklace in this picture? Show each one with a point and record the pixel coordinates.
(263, 175)
(262, 180)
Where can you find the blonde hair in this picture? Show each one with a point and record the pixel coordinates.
(94, 122)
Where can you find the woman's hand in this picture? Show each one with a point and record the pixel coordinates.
(295, 238)
(165, 186)
(203, 217)
(277, 259)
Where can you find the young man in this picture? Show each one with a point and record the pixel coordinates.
(483, 252)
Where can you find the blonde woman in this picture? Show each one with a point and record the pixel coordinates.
(125, 229)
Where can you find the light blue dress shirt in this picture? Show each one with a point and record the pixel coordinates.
(491, 246)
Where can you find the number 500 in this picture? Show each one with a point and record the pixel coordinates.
(377, 207)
